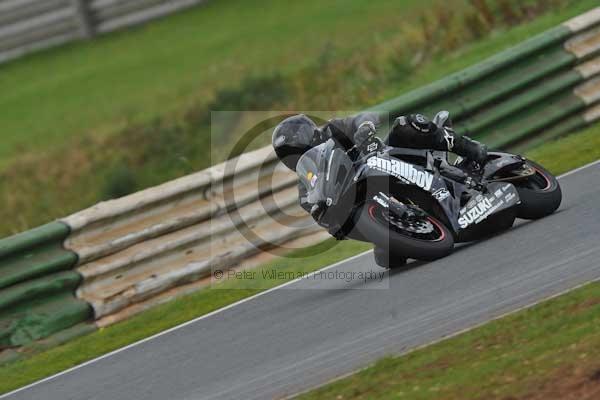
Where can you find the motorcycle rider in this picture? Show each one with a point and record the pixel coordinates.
(297, 134)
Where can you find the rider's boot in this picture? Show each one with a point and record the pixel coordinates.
(470, 149)
(464, 146)
(386, 259)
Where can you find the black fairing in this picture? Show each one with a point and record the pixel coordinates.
(499, 162)
(331, 177)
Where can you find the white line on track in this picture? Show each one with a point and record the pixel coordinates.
(573, 171)
(220, 310)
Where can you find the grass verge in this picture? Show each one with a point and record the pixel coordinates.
(564, 154)
(570, 152)
(139, 74)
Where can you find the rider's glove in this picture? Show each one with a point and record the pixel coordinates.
(364, 132)
(318, 210)
(364, 137)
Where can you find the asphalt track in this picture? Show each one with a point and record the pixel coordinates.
(303, 335)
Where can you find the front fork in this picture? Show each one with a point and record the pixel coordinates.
(402, 210)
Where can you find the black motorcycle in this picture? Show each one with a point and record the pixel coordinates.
(415, 203)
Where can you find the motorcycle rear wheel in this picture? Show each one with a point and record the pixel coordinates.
(426, 239)
(540, 194)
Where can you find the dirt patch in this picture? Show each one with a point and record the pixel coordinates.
(573, 383)
(585, 305)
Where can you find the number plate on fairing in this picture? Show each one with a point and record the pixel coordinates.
(500, 196)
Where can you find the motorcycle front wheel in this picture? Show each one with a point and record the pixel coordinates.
(424, 238)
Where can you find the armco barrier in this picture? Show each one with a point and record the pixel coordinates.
(528, 90)
(37, 286)
(148, 247)
(137, 247)
(30, 25)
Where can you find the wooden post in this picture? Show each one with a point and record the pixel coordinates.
(84, 18)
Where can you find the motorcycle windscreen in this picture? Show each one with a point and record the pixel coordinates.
(324, 171)
(310, 169)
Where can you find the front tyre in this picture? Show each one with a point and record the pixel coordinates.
(387, 258)
(424, 238)
(540, 193)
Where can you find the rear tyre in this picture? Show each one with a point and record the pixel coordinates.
(425, 239)
(540, 194)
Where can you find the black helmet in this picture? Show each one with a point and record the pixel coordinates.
(294, 136)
